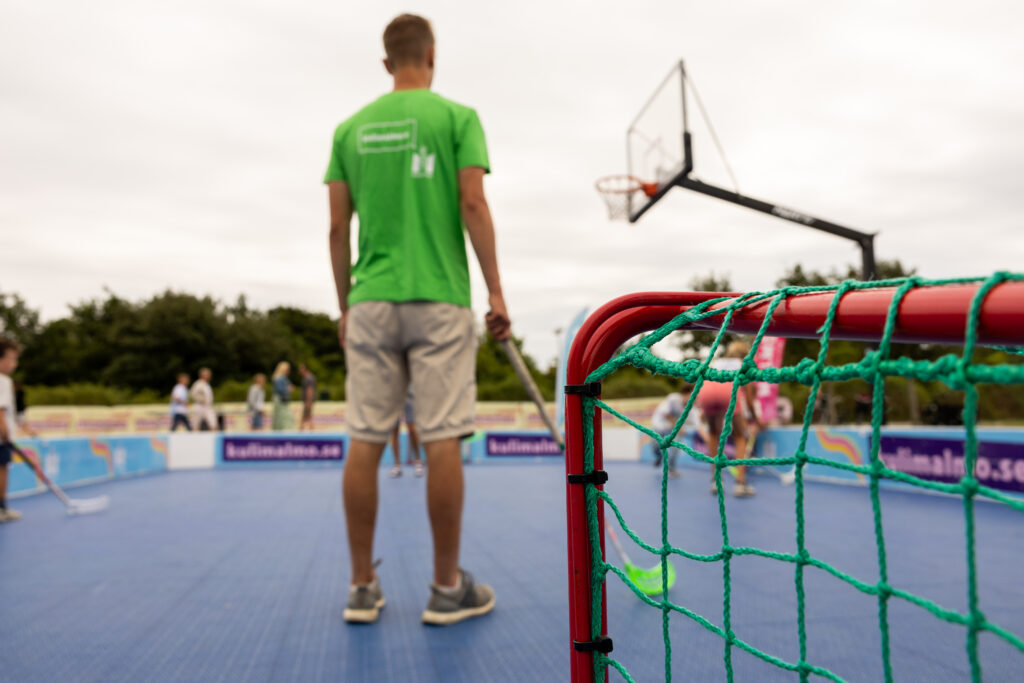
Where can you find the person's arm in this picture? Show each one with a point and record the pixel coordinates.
(750, 392)
(24, 426)
(340, 200)
(480, 226)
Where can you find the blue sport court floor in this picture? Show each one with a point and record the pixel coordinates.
(241, 575)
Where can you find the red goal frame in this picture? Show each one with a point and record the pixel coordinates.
(927, 314)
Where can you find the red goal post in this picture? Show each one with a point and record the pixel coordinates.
(926, 314)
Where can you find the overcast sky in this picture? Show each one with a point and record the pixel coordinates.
(146, 146)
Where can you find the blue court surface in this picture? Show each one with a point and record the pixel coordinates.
(242, 575)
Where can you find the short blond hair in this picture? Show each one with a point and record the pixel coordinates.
(282, 369)
(737, 349)
(407, 39)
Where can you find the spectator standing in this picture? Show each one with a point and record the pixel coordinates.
(281, 393)
(308, 398)
(255, 400)
(179, 404)
(205, 419)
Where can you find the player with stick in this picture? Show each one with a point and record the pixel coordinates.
(411, 164)
(713, 400)
(9, 352)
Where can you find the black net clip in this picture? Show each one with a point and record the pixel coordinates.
(602, 644)
(597, 477)
(592, 389)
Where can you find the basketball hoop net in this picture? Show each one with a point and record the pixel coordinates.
(618, 192)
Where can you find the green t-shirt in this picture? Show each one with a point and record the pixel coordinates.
(400, 156)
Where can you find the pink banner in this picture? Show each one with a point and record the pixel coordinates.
(769, 355)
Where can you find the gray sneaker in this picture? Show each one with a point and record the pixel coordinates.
(472, 600)
(365, 602)
(9, 515)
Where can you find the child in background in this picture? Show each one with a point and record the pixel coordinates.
(9, 352)
(664, 419)
(179, 404)
(255, 400)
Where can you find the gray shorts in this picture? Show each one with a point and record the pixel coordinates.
(426, 344)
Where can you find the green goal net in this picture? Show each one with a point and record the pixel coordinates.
(960, 371)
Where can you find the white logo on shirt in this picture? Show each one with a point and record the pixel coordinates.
(388, 136)
(423, 164)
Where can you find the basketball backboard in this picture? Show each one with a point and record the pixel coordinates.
(659, 156)
(657, 145)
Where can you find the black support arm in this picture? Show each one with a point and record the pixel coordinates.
(866, 241)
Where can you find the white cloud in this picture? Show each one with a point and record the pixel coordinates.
(182, 146)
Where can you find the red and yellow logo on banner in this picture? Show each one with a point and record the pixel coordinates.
(842, 444)
(101, 449)
(159, 446)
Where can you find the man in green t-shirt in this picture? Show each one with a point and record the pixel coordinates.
(411, 165)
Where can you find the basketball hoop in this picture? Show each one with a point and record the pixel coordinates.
(618, 192)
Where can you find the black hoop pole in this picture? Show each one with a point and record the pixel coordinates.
(864, 240)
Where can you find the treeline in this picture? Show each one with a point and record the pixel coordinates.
(112, 351)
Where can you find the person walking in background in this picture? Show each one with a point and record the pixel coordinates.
(255, 400)
(9, 354)
(281, 393)
(204, 417)
(414, 443)
(179, 404)
(405, 304)
(713, 400)
(308, 398)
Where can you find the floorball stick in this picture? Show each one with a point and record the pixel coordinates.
(531, 388)
(80, 506)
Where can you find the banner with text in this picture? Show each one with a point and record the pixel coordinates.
(999, 465)
(520, 445)
(290, 448)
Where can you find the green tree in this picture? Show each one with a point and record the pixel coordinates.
(314, 337)
(496, 380)
(846, 401)
(17, 319)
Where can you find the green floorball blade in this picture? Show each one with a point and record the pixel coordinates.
(649, 580)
